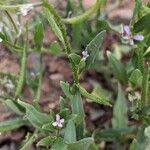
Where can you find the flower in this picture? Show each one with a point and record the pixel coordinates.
(129, 37)
(85, 55)
(25, 9)
(9, 85)
(58, 122)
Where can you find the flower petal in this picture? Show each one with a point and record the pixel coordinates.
(55, 124)
(127, 30)
(57, 117)
(60, 125)
(62, 120)
(138, 37)
(131, 42)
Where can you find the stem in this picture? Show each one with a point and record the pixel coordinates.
(12, 22)
(15, 7)
(140, 60)
(145, 87)
(84, 16)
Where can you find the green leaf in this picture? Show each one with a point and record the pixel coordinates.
(46, 142)
(147, 53)
(136, 78)
(83, 144)
(118, 68)
(59, 144)
(12, 124)
(55, 48)
(94, 98)
(77, 106)
(113, 134)
(39, 35)
(15, 107)
(93, 48)
(75, 58)
(142, 24)
(147, 132)
(36, 118)
(65, 88)
(70, 132)
(29, 141)
(120, 119)
(23, 68)
(51, 19)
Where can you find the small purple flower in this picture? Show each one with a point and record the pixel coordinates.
(85, 55)
(129, 37)
(58, 122)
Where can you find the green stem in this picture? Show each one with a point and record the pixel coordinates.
(12, 22)
(145, 87)
(84, 16)
(15, 7)
(140, 60)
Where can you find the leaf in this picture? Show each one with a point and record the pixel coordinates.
(120, 119)
(36, 118)
(38, 36)
(29, 141)
(94, 98)
(77, 109)
(12, 124)
(54, 25)
(83, 144)
(117, 68)
(113, 134)
(70, 132)
(93, 48)
(65, 88)
(147, 53)
(136, 78)
(46, 142)
(55, 48)
(59, 144)
(147, 132)
(15, 107)
(142, 24)
(75, 58)
(23, 68)
(77, 106)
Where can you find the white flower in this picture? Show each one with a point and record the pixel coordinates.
(25, 9)
(58, 122)
(85, 55)
(9, 85)
(129, 37)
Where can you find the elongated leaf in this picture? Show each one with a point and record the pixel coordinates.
(23, 68)
(12, 124)
(29, 141)
(94, 98)
(36, 118)
(93, 48)
(117, 68)
(70, 132)
(65, 88)
(120, 118)
(113, 134)
(77, 106)
(136, 78)
(15, 107)
(142, 24)
(53, 24)
(38, 37)
(83, 144)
